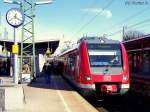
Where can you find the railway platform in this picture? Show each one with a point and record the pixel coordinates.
(56, 96)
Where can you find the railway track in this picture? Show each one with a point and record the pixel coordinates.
(133, 102)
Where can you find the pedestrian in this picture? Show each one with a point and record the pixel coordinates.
(47, 71)
(26, 68)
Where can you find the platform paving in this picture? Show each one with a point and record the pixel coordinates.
(6, 81)
(57, 96)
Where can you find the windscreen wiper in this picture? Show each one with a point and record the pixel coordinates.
(112, 62)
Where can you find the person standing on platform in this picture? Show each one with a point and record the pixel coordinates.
(26, 68)
(47, 71)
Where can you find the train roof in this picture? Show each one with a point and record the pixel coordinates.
(97, 40)
(91, 40)
(68, 50)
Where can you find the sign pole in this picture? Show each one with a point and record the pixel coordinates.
(15, 77)
(15, 18)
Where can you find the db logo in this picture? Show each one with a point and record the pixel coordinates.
(107, 78)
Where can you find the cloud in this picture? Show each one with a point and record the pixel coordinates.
(106, 13)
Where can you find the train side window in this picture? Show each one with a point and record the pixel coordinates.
(72, 62)
(134, 59)
(146, 63)
(130, 61)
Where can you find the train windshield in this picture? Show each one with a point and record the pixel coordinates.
(101, 55)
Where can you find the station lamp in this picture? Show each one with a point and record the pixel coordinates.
(12, 2)
(48, 52)
(44, 2)
(36, 3)
(4, 50)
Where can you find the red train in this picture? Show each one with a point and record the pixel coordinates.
(97, 65)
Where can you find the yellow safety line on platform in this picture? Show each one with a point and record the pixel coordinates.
(62, 98)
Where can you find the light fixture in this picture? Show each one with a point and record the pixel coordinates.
(43, 2)
(12, 2)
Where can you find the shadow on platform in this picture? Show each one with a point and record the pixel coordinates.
(56, 82)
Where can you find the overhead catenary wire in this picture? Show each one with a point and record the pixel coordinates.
(131, 26)
(129, 18)
(143, 26)
(85, 14)
(93, 18)
(146, 20)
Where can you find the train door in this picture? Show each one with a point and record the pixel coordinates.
(136, 62)
(68, 65)
(77, 75)
(130, 60)
(72, 65)
(146, 62)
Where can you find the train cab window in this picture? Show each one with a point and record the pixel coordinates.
(105, 55)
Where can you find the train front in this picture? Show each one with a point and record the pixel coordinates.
(108, 64)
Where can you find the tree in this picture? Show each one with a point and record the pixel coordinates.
(132, 34)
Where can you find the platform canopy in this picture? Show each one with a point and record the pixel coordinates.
(40, 46)
(142, 42)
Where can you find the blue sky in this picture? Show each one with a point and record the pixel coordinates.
(67, 17)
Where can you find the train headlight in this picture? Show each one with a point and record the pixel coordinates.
(125, 77)
(87, 78)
